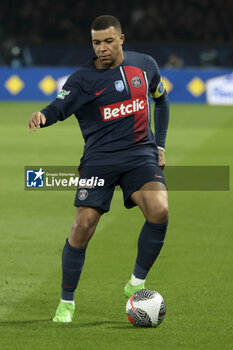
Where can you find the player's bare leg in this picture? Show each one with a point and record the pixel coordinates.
(73, 257)
(84, 225)
(152, 199)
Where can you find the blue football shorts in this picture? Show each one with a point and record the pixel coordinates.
(97, 183)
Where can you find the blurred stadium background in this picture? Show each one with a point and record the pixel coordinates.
(191, 41)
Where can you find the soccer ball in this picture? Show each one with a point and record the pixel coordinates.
(146, 308)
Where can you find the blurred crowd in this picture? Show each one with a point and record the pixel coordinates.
(26, 22)
(155, 20)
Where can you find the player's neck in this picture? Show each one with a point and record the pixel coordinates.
(99, 65)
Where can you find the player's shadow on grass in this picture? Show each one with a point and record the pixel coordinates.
(22, 323)
(113, 324)
(117, 324)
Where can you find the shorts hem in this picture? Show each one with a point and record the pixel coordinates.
(105, 209)
(128, 203)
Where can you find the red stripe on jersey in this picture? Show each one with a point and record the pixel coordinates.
(138, 89)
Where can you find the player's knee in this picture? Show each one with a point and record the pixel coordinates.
(82, 229)
(158, 213)
(163, 213)
(83, 224)
(80, 234)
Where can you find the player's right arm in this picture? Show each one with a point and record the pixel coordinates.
(36, 120)
(68, 101)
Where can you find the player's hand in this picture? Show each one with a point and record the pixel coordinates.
(161, 160)
(36, 119)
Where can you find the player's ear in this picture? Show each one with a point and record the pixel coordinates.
(122, 38)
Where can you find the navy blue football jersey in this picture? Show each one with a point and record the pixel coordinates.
(112, 107)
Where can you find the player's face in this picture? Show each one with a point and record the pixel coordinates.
(107, 45)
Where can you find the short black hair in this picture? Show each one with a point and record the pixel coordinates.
(106, 21)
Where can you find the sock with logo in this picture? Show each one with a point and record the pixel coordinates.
(150, 242)
(72, 265)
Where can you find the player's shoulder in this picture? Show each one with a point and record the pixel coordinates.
(80, 74)
(138, 58)
(81, 70)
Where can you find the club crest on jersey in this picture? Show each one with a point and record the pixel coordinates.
(119, 85)
(82, 194)
(136, 82)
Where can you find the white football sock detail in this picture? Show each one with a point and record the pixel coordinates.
(68, 301)
(136, 281)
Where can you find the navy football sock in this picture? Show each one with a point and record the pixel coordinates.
(72, 265)
(150, 243)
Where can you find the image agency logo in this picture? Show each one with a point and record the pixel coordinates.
(35, 178)
(58, 178)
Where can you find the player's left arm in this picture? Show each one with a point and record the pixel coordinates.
(161, 120)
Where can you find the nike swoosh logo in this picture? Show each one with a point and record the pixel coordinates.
(100, 92)
(158, 176)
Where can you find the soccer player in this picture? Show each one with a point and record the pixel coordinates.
(110, 97)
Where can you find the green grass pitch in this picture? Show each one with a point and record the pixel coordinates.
(193, 272)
